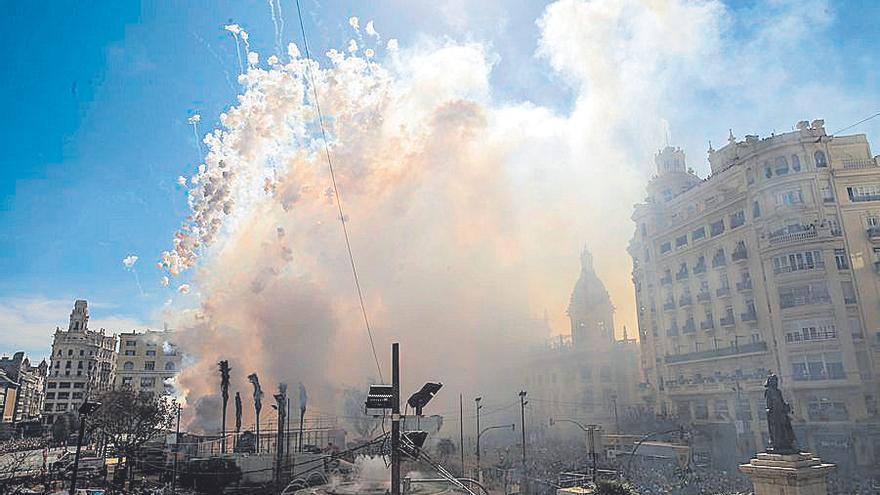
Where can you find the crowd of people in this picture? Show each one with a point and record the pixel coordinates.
(18, 444)
(657, 477)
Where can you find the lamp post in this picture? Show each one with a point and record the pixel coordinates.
(591, 440)
(478, 407)
(522, 411)
(84, 410)
(512, 427)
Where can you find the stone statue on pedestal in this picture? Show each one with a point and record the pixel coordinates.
(782, 439)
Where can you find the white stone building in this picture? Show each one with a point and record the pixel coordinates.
(772, 263)
(148, 362)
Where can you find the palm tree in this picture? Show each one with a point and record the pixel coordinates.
(258, 402)
(224, 391)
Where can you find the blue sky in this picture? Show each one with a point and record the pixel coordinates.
(97, 96)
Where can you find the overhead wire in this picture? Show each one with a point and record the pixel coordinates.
(354, 271)
(866, 119)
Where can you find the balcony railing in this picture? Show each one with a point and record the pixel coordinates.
(790, 301)
(816, 265)
(792, 237)
(722, 292)
(707, 325)
(873, 233)
(728, 320)
(667, 280)
(748, 316)
(704, 297)
(740, 254)
(669, 305)
(681, 275)
(689, 327)
(744, 285)
(796, 337)
(718, 353)
(685, 301)
(856, 164)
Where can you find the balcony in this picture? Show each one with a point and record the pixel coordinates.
(668, 305)
(857, 164)
(873, 233)
(718, 262)
(748, 316)
(685, 300)
(722, 292)
(740, 254)
(682, 275)
(728, 320)
(816, 265)
(787, 301)
(666, 280)
(704, 297)
(744, 285)
(689, 327)
(707, 325)
(807, 235)
(718, 353)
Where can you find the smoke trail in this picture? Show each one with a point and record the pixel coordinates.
(194, 120)
(277, 22)
(235, 29)
(128, 262)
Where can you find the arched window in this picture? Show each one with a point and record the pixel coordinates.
(768, 170)
(750, 176)
(128, 366)
(795, 163)
(781, 165)
(821, 161)
(169, 366)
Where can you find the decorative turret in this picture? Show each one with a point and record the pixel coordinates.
(670, 159)
(79, 317)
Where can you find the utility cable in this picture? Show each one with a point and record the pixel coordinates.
(857, 123)
(354, 271)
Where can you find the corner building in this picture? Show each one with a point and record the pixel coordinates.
(148, 362)
(772, 263)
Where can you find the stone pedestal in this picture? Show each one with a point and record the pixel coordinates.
(788, 474)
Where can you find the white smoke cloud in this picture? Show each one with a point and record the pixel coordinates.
(354, 23)
(183, 288)
(129, 260)
(370, 30)
(453, 200)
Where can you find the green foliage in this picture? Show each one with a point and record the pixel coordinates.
(64, 426)
(129, 419)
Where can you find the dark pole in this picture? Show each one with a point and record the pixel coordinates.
(478, 406)
(176, 451)
(395, 419)
(616, 421)
(302, 415)
(522, 409)
(592, 442)
(288, 429)
(257, 413)
(82, 431)
(461, 432)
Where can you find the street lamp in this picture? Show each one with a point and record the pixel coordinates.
(512, 427)
(591, 441)
(85, 409)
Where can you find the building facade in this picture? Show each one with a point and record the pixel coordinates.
(772, 263)
(587, 376)
(83, 364)
(30, 383)
(148, 362)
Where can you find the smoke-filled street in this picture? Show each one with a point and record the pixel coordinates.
(554, 247)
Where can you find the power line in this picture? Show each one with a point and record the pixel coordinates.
(857, 123)
(354, 272)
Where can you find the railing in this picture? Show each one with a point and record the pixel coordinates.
(849, 300)
(722, 292)
(796, 337)
(865, 197)
(728, 321)
(685, 301)
(855, 164)
(740, 254)
(717, 353)
(706, 325)
(789, 269)
(748, 316)
(873, 233)
(704, 297)
(744, 285)
(789, 301)
(793, 237)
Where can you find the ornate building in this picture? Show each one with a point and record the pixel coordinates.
(769, 264)
(30, 381)
(83, 363)
(588, 375)
(148, 362)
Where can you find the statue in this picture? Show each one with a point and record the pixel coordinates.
(782, 439)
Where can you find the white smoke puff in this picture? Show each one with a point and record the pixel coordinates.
(353, 22)
(129, 260)
(292, 51)
(253, 58)
(183, 288)
(164, 281)
(392, 45)
(272, 60)
(181, 180)
(194, 119)
(232, 28)
(244, 35)
(371, 30)
(369, 53)
(352, 46)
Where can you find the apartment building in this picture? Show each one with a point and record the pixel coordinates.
(772, 263)
(30, 383)
(83, 364)
(148, 362)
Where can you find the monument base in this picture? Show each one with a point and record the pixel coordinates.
(788, 474)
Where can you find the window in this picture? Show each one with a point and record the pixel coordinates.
(665, 247)
(827, 409)
(63, 395)
(849, 292)
(79, 385)
(151, 352)
(819, 157)
(148, 382)
(781, 165)
(768, 170)
(717, 228)
(795, 163)
(841, 259)
(827, 193)
(789, 198)
(77, 396)
(802, 295)
(149, 365)
(834, 224)
(126, 381)
(698, 234)
(809, 330)
(800, 261)
(818, 366)
(737, 219)
(130, 343)
(681, 241)
(743, 410)
(51, 385)
(67, 364)
(70, 352)
(129, 352)
(750, 177)
(866, 192)
(128, 366)
(169, 366)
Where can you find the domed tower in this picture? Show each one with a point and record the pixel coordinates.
(79, 317)
(590, 308)
(673, 176)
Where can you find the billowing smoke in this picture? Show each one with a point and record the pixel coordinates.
(466, 214)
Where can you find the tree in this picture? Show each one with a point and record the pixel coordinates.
(130, 419)
(64, 426)
(224, 392)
